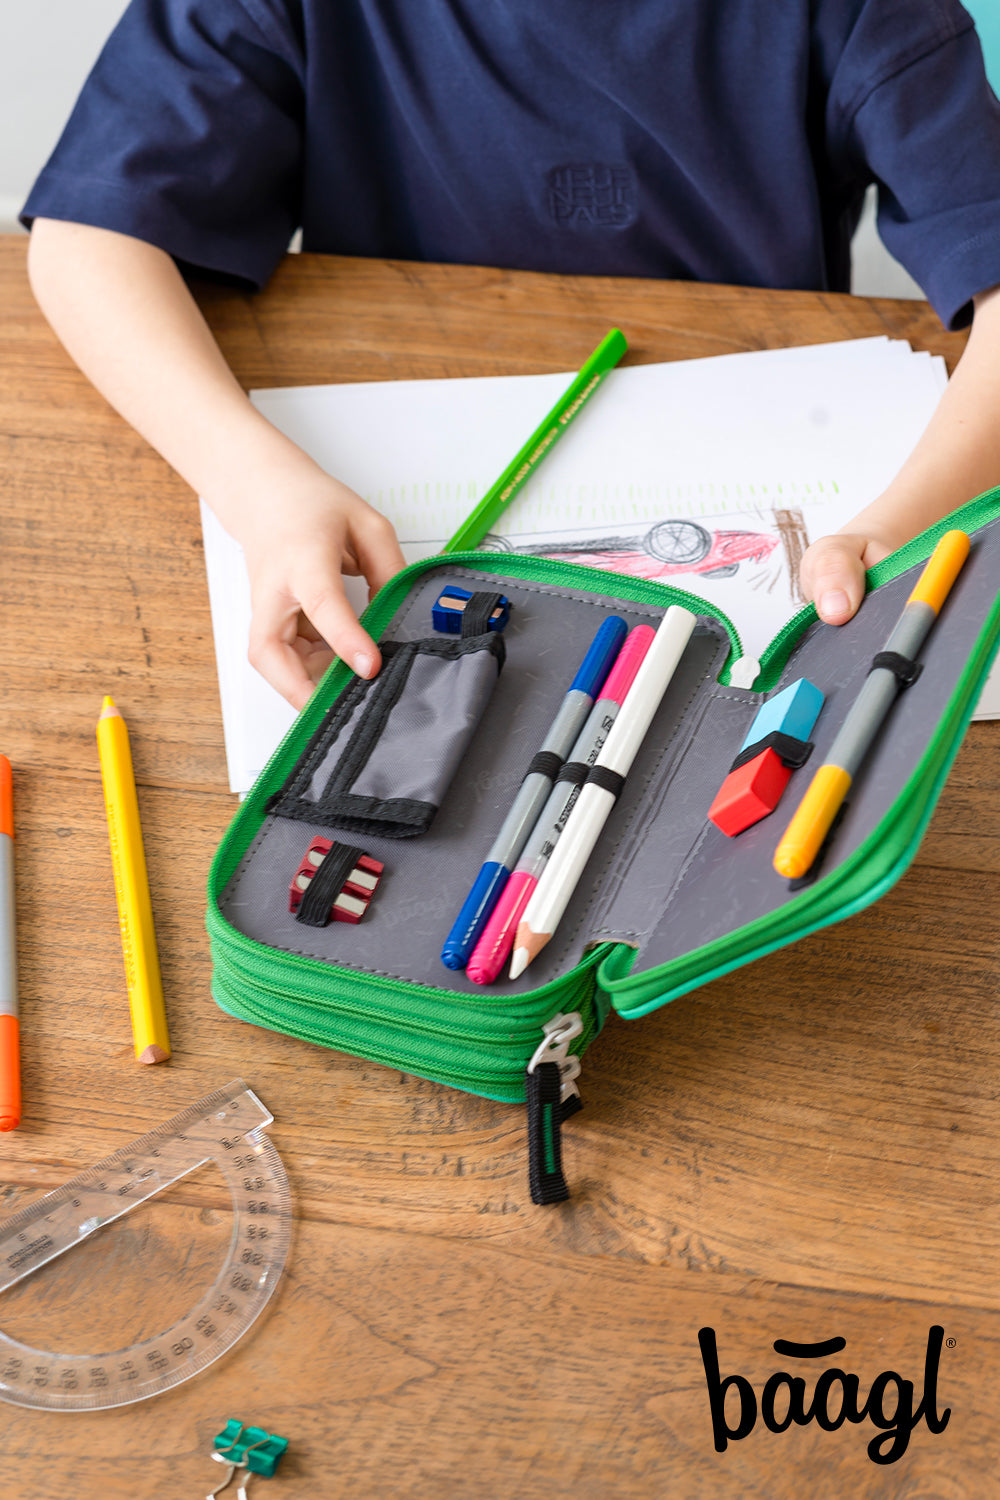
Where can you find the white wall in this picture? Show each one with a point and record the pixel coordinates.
(47, 48)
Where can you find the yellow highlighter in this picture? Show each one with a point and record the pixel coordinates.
(135, 911)
(814, 816)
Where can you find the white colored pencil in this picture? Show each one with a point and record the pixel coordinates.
(560, 876)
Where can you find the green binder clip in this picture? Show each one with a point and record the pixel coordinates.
(242, 1447)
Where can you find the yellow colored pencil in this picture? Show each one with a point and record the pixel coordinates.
(135, 911)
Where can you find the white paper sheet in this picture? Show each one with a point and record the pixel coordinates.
(712, 475)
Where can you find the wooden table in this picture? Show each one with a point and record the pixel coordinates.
(803, 1150)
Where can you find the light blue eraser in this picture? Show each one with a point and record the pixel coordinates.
(793, 711)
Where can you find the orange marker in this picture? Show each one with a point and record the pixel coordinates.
(10, 1042)
(135, 911)
(804, 837)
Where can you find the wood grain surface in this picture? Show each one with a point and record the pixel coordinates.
(805, 1149)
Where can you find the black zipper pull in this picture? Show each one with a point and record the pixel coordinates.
(552, 1097)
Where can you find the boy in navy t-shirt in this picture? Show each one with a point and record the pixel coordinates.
(728, 142)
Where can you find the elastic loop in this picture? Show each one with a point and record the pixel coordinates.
(326, 885)
(789, 749)
(801, 881)
(477, 613)
(608, 780)
(547, 763)
(574, 771)
(902, 668)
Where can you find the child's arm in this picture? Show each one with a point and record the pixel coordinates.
(957, 458)
(124, 313)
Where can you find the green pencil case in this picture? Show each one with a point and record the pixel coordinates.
(667, 901)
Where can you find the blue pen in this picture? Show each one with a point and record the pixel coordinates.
(533, 793)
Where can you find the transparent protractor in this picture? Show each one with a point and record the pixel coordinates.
(227, 1129)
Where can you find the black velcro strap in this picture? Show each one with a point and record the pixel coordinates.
(902, 668)
(574, 771)
(478, 612)
(326, 885)
(545, 762)
(543, 1086)
(611, 781)
(790, 750)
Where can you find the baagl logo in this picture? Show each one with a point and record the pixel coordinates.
(834, 1400)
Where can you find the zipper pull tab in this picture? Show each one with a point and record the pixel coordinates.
(552, 1097)
(744, 672)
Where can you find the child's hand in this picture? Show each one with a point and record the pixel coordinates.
(127, 317)
(832, 573)
(296, 551)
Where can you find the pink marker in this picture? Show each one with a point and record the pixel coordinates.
(493, 949)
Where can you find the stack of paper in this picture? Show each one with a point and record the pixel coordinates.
(712, 475)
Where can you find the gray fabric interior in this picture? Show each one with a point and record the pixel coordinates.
(420, 749)
(661, 878)
(719, 883)
(424, 735)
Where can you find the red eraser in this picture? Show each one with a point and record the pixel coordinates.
(749, 793)
(351, 901)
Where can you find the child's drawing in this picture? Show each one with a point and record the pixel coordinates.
(666, 549)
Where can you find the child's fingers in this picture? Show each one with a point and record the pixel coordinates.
(297, 624)
(372, 547)
(326, 606)
(833, 576)
(312, 650)
(273, 639)
(280, 644)
(376, 549)
(283, 668)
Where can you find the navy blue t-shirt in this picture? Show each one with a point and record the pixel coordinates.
(716, 140)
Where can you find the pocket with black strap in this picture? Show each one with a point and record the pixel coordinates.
(385, 753)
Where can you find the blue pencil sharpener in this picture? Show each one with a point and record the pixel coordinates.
(450, 605)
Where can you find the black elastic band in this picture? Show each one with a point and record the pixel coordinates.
(902, 668)
(790, 750)
(610, 780)
(574, 771)
(327, 884)
(546, 1113)
(815, 869)
(546, 762)
(478, 612)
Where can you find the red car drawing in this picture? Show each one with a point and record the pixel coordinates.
(667, 548)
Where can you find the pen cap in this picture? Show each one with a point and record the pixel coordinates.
(599, 660)
(655, 671)
(943, 567)
(629, 659)
(6, 797)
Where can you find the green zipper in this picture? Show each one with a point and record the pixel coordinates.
(969, 518)
(489, 1064)
(434, 1032)
(876, 864)
(482, 1043)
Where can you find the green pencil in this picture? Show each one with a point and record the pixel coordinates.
(604, 358)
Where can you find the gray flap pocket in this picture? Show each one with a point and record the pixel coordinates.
(387, 749)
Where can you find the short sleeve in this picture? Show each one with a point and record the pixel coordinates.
(927, 125)
(188, 134)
